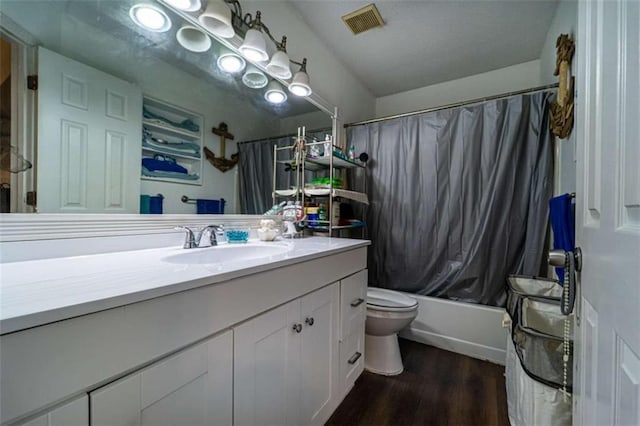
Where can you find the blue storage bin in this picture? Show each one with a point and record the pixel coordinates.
(155, 204)
(210, 206)
(145, 207)
(151, 204)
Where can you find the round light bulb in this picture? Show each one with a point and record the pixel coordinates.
(254, 78)
(276, 97)
(299, 90)
(275, 93)
(252, 55)
(150, 18)
(230, 63)
(186, 5)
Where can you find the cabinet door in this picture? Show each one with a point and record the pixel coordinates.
(319, 354)
(74, 413)
(267, 368)
(193, 387)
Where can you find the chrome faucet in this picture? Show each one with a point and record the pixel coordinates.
(194, 235)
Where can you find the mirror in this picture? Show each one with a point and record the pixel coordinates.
(89, 54)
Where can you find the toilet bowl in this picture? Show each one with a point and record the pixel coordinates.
(388, 312)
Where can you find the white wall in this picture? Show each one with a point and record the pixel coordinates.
(312, 121)
(516, 77)
(564, 21)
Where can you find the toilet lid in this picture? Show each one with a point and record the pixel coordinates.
(389, 298)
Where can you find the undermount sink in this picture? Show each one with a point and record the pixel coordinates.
(227, 253)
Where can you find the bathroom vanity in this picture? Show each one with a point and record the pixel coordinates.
(173, 336)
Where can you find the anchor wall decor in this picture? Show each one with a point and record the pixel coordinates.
(562, 110)
(222, 163)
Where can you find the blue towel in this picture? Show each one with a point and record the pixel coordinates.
(165, 164)
(561, 215)
(210, 206)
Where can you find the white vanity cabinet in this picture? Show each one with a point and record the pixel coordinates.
(219, 353)
(192, 387)
(286, 362)
(72, 413)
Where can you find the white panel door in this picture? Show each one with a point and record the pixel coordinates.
(73, 413)
(89, 132)
(320, 354)
(608, 212)
(193, 387)
(266, 369)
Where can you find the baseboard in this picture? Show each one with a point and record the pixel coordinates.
(474, 350)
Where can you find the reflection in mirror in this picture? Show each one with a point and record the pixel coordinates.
(122, 111)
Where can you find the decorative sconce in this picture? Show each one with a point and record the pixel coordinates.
(562, 110)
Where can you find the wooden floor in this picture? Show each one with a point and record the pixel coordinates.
(437, 387)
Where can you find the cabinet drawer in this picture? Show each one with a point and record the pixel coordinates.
(351, 358)
(353, 303)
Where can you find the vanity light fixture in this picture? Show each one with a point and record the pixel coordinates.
(275, 94)
(217, 19)
(224, 18)
(279, 64)
(150, 18)
(254, 78)
(230, 62)
(186, 5)
(193, 39)
(254, 49)
(254, 46)
(299, 86)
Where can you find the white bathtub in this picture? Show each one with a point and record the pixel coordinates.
(464, 328)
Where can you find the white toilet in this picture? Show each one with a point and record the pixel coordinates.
(388, 312)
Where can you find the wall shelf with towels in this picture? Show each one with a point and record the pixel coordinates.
(171, 132)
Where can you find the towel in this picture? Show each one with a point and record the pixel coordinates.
(164, 164)
(561, 216)
(186, 124)
(210, 206)
(172, 175)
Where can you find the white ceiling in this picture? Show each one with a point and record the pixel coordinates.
(428, 42)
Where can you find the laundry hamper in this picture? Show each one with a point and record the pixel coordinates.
(534, 364)
(537, 288)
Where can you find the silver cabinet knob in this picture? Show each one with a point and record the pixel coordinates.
(309, 321)
(297, 328)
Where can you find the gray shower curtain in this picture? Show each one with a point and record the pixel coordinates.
(458, 197)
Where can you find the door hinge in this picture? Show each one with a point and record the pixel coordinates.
(31, 198)
(32, 82)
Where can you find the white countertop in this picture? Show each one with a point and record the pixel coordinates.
(38, 292)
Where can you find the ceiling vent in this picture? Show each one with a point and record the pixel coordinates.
(363, 19)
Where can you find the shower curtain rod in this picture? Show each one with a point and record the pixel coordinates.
(455, 105)
(324, 129)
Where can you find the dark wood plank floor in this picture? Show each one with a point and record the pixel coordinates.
(437, 387)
